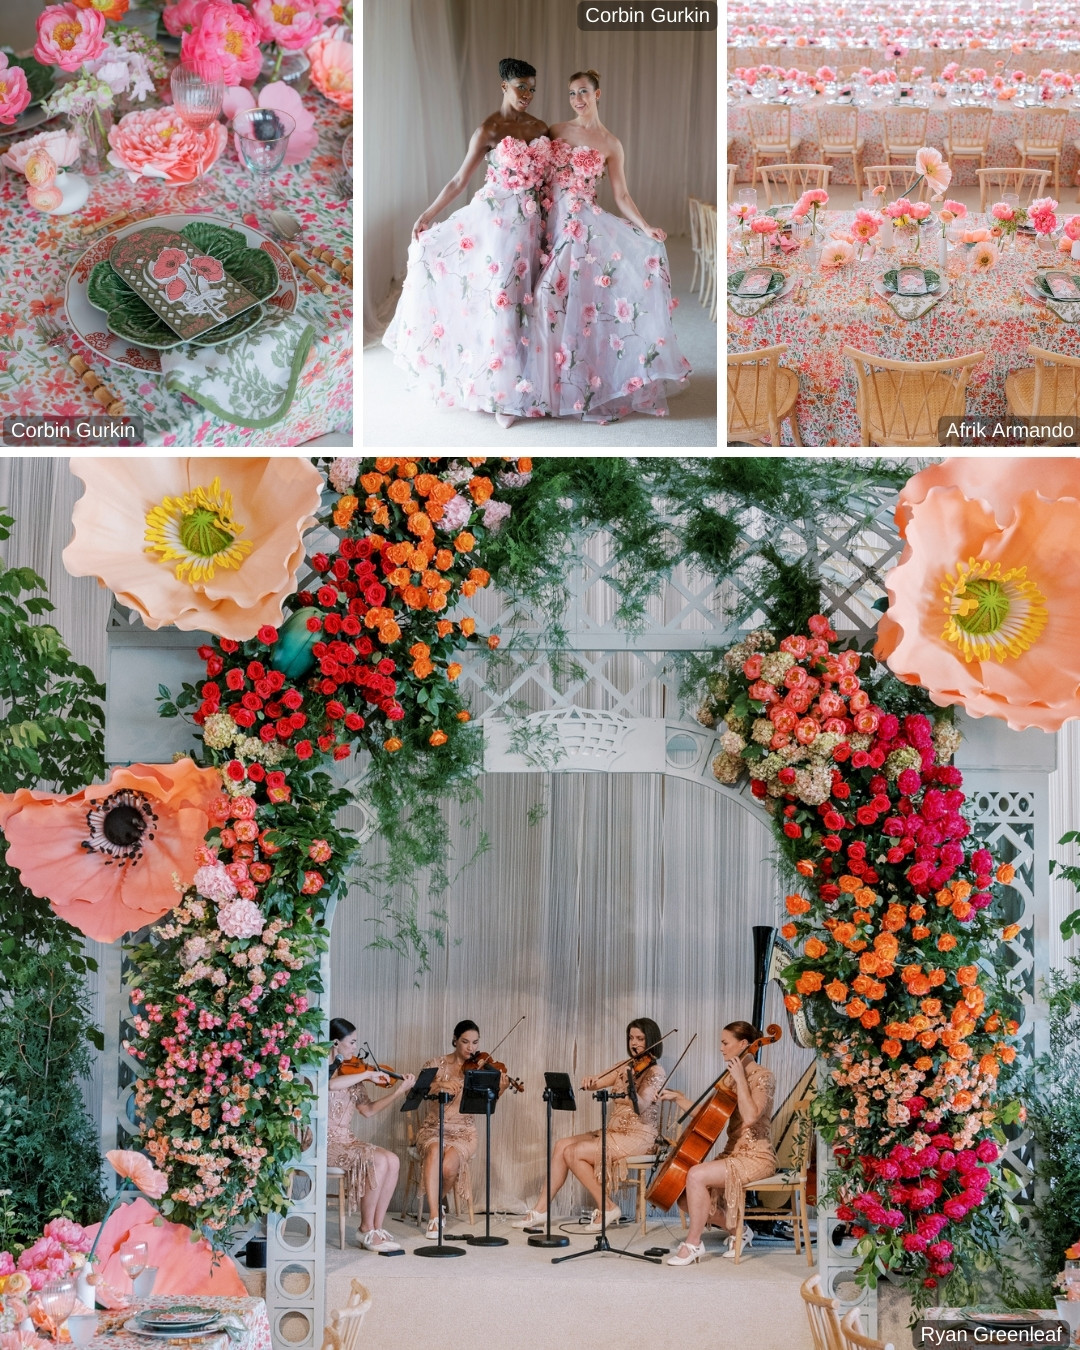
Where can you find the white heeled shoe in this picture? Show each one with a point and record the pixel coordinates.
(694, 1252)
(534, 1219)
(379, 1240)
(432, 1234)
(614, 1216)
(505, 420)
(747, 1241)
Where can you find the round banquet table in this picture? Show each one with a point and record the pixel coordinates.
(37, 253)
(987, 313)
(1004, 130)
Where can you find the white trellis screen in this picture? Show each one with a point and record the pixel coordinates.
(610, 703)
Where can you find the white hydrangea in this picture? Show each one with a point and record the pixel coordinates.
(219, 730)
(343, 473)
(732, 742)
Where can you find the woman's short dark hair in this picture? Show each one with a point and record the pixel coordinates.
(463, 1027)
(512, 69)
(650, 1031)
(744, 1031)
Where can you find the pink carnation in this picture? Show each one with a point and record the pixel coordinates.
(14, 91)
(67, 36)
(227, 36)
(183, 16)
(241, 919)
(158, 143)
(291, 25)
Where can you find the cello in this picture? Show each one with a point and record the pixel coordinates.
(707, 1123)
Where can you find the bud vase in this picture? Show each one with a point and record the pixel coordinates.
(92, 129)
(84, 1290)
(292, 68)
(942, 252)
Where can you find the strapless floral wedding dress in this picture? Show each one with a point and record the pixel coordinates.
(460, 329)
(602, 344)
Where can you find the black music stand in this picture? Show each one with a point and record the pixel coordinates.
(559, 1095)
(603, 1096)
(480, 1094)
(419, 1093)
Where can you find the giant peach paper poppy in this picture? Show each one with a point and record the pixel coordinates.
(984, 609)
(211, 544)
(185, 1263)
(104, 857)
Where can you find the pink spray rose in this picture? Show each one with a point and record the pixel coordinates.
(158, 143)
(291, 25)
(14, 92)
(227, 36)
(67, 36)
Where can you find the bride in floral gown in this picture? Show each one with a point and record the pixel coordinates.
(602, 343)
(459, 329)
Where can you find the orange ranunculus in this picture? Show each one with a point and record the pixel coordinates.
(104, 857)
(796, 904)
(1005, 873)
(870, 1018)
(792, 1002)
(480, 489)
(465, 542)
(809, 982)
(946, 942)
(836, 991)
(855, 1008)
(886, 946)
(966, 975)
(980, 609)
(891, 1047)
(919, 932)
(788, 931)
(961, 910)
(815, 948)
(108, 9)
(804, 867)
(371, 482)
(195, 543)
(849, 885)
(438, 737)
(468, 627)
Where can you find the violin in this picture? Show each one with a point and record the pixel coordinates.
(706, 1125)
(366, 1063)
(482, 1060)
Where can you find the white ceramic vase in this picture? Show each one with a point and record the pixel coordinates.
(84, 1290)
(75, 190)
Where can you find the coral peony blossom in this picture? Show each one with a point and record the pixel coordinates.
(226, 36)
(284, 98)
(332, 70)
(14, 91)
(197, 543)
(158, 143)
(980, 611)
(292, 24)
(67, 36)
(63, 146)
(104, 857)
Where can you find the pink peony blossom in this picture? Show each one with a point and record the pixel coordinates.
(183, 16)
(73, 1236)
(227, 36)
(159, 144)
(62, 146)
(67, 36)
(331, 70)
(292, 25)
(1002, 211)
(284, 98)
(14, 91)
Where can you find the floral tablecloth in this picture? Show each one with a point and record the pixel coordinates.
(37, 253)
(810, 56)
(251, 1311)
(988, 313)
(1004, 130)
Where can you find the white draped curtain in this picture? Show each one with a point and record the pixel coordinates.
(431, 75)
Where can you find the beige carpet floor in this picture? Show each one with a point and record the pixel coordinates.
(394, 418)
(513, 1298)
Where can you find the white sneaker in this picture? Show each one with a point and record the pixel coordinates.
(747, 1241)
(534, 1219)
(379, 1240)
(614, 1216)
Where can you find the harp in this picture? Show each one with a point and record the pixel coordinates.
(772, 955)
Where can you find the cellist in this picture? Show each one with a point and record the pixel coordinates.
(712, 1188)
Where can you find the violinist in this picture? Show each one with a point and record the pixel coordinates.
(629, 1132)
(459, 1131)
(712, 1187)
(371, 1172)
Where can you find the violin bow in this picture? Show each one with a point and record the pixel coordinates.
(689, 1043)
(648, 1049)
(513, 1028)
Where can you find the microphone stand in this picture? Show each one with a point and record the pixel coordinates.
(440, 1249)
(547, 1239)
(603, 1096)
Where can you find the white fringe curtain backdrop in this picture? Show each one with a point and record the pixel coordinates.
(431, 76)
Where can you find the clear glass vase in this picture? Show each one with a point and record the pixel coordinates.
(92, 129)
(293, 68)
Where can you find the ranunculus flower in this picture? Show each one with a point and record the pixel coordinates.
(292, 24)
(104, 856)
(226, 36)
(67, 36)
(14, 91)
(63, 146)
(158, 143)
(332, 70)
(223, 551)
(284, 98)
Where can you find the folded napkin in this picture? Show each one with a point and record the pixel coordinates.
(250, 381)
(1068, 311)
(911, 307)
(746, 306)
